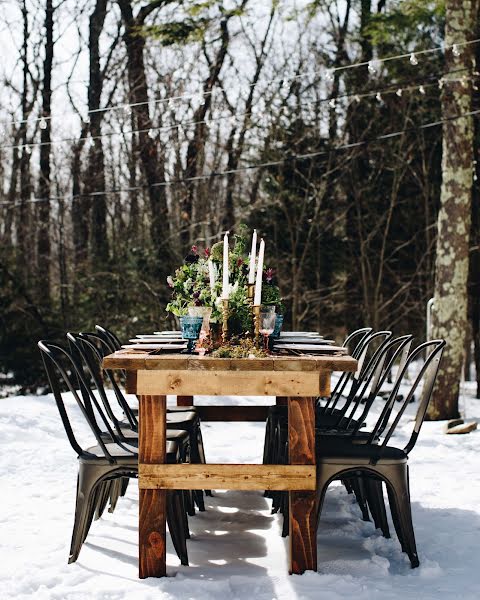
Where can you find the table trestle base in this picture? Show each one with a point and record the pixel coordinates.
(227, 477)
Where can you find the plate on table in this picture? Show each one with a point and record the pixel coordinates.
(148, 347)
(312, 348)
(304, 340)
(156, 340)
(300, 334)
(176, 332)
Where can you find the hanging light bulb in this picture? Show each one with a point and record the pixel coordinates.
(372, 67)
(456, 50)
(86, 120)
(332, 103)
(329, 74)
(465, 81)
(127, 111)
(43, 123)
(413, 59)
(399, 92)
(421, 89)
(28, 150)
(441, 83)
(357, 98)
(151, 134)
(378, 97)
(91, 142)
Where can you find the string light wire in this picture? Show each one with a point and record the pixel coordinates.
(332, 102)
(246, 168)
(372, 65)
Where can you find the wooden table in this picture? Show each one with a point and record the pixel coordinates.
(295, 381)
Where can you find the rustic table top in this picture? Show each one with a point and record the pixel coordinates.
(139, 361)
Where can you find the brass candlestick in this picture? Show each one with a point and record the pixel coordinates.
(256, 323)
(225, 320)
(250, 292)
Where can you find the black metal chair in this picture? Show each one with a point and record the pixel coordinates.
(379, 461)
(182, 428)
(363, 392)
(355, 340)
(106, 463)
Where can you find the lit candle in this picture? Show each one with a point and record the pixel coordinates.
(211, 273)
(258, 283)
(253, 253)
(225, 290)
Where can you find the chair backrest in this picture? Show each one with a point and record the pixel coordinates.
(103, 349)
(62, 372)
(88, 358)
(109, 337)
(390, 416)
(364, 368)
(353, 342)
(397, 348)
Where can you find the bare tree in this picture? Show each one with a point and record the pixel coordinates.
(451, 267)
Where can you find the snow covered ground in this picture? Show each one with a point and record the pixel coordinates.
(236, 550)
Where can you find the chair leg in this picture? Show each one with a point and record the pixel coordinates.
(401, 499)
(175, 526)
(89, 492)
(104, 492)
(358, 487)
(201, 457)
(395, 518)
(124, 486)
(376, 504)
(285, 509)
(85, 487)
(115, 493)
(348, 486)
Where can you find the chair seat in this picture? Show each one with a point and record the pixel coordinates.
(171, 409)
(117, 451)
(181, 417)
(333, 447)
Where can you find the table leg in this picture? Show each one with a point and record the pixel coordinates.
(303, 526)
(184, 400)
(152, 503)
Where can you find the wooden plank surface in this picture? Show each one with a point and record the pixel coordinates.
(233, 413)
(237, 383)
(227, 477)
(301, 448)
(138, 360)
(152, 502)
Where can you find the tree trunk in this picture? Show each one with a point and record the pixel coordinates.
(454, 218)
(152, 163)
(43, 209)
(235, 150)
(196, 145)
(22, 224)
(95, 175)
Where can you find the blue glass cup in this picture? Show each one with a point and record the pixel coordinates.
(278, 326)
(191, 327)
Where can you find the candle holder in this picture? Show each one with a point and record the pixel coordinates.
(225, 313)
(256, 323)
(250, 292)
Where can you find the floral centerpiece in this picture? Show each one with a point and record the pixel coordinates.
(211, 277)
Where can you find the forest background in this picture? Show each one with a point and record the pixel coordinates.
(132, 130)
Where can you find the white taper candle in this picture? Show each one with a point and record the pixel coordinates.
(225, 287)
(211, 273)
(253, 255)
(257, 300)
